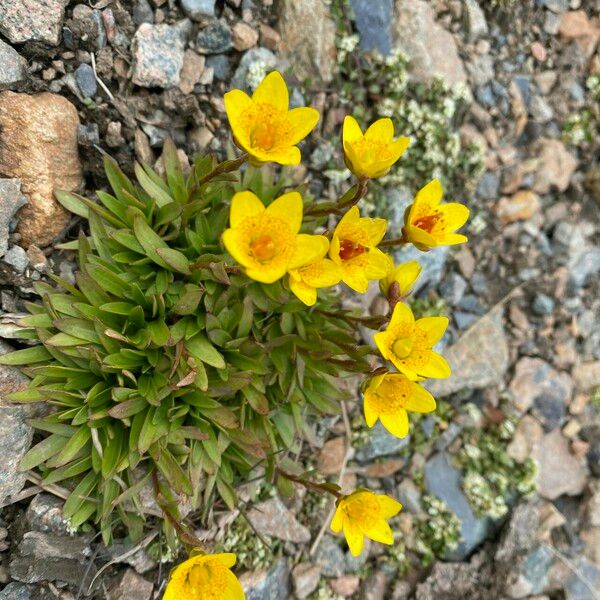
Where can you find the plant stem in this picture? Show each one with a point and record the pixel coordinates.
(311, 485)
(225, 167)
(395, 241)
(361, 190)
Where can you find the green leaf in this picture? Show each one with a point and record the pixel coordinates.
(172, 471)
(227, 493)
(28, 356)
(175, 260)
(112, 455)
(41, 452)
(188, 300)
(70, 450)
(117, 179)
(151, 187)
(159, 332)
(73, 203)
(257, 400)
(149, 240)
(201, 349)
(80, 495)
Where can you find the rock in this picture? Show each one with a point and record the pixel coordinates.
(587, 375)
(48, 557)
(269, 37)
(305, 578)
(132, 587)
(543, 305)
(583, 582)
(559, 471)
(556, 6)
(479, 359)
(244, 36)
(32, 20)
(15, 433)
(488, 185)
(198, 9)
(519, 207)
(444, 481)
(519, 535)
(308, 38)
(476, 23)
(373, 21)
(11, 200)
(13, 67)
(272, 518)
(585, 265)
(255, 64)
(158, 52)
(481, 70)
(413, 28)
(273, 584)
(576, 24)
(345, 586)
(540, 109)
(451, 581)
(191, 71)
(593, 505)
(532, 575)
(142, 12)
(15, 591)
(538, 51)
(380, 443)
(409, 495)
(45, 514)
(331, 456)
(555, 166)
(329, 557)
(215, 38)
(375, 586)
(86, 80)
(527, 439)
(17, 258)
(536, 379)
(453, 288)
(38, 135)
(219, 63)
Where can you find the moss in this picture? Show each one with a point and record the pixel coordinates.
(430, 306)
(492, 477)
(583, 127)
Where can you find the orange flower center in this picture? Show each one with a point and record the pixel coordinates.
(263, 247)
(363, 510)
(267, 126)
(350, 249)
(427, 222)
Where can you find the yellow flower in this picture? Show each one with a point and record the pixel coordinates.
(264, 127)
(404, 274)
(265, 241)
(320, 273)
(353, 248)
(205, 577)
(408, 344)
(428, 224)
(364, 513)
(372, 154)
(389, 396)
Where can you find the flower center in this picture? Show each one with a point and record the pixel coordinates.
(350, 249)
(267, 126)
(427, 222)
(391, 396)
(403, 347)
(364, 510)
(263, 247)
(206, 582)
(371, 151)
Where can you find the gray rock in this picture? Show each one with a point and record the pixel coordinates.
(489, 185)
(540, 109)
(532, 575)
(478, 359)
(198, 9)
(255, 59)
(132, 587)
(45, 514)
(86, 81)
(409, 495)
(476, 23)
(585, 582)
(586, 265)
(452, 581)
(305, 577)
(380, 443)
(32, 20)
(273, 584)
(413, 29)
(274, 519)
(158, 52)
(519, 536)
(88, 135)
(543, 305)
(444, 481)
(142, 12)
(15, 591)
(13, 67)
(220, 65)
(17, 258)
(464, 319)
(373, 21)
(481, 70)
(556, 6)
(330, 557)
(215, 38)
(11, 200)
(550, 410)
(453, 288)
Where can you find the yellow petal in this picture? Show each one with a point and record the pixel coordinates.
(351, 131)
(399, 147)
(236, 244)
(420, 400)
(236, 102)
(452, 239)
(322, 273)
(266, 273)
(303, 120)
(434, 326)
(334, 249)
(288, 208)
(227, 559)
(353, 275)
(396, 424)
(338, 520)
(382, 131)
(283, 156)
(308, 249)
(305, 293)
(382, 341)
(244, 205)
(436, 367)
(390, 507)
(376, 264)
(371, 415)
(233, 590)
(430, 194)
(419, 236)
(381, 533)
(401, 314)
(406, 275)
(374, 228)
(351, 215)
(355, 539)
(455, 215)
(272, 90)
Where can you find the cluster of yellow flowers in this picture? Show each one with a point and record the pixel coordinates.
(267, 243)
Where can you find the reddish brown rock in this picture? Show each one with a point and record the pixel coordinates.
(38, 144)
(331, 456)
(519, 207)
(576, 24)
(244, 36)
(555, 166)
